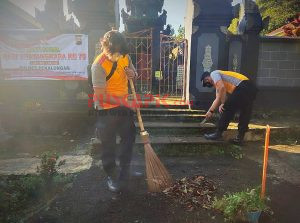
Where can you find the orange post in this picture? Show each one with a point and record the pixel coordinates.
(265, 164)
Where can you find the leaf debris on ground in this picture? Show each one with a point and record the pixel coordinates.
(194, 192)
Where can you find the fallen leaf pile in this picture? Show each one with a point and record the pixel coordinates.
(194, 192)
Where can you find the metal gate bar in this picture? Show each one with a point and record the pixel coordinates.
(171, 75)
(172, 67)
(140, 51)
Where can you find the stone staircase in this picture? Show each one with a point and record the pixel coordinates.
(166, 124)
(181, 126)
(174, 125)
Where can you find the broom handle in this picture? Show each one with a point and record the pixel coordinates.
(138, 111)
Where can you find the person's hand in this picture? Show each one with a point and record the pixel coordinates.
(129, 72)
(208, 115)
(221, 108)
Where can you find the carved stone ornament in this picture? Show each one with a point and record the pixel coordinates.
(207, 61)
(195, 29)
(196, 9)
(235, 64)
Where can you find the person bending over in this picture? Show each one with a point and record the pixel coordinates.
(234, 92)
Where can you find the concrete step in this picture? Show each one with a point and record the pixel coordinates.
(176, 128)
(82, 109)
(83, 105)
(192, 133)
(207, 125)
(171, 111)
(191, 139)
(177, 125)
(161, 102)
(180, 140)
(173, 117)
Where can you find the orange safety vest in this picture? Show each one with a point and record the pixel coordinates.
(117, 85)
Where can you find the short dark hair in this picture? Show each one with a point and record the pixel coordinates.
(204, 75)
(114, 42)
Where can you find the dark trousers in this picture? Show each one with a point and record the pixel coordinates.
(240, 100)
(110, 123)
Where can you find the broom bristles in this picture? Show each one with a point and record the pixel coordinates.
(158, 177)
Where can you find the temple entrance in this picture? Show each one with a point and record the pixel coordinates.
(170, 78)
(172, 73)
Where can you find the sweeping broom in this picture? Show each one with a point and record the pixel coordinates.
(158, 177)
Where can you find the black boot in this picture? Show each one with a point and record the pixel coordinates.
(214, 136)
(239, 139)
(111, 181)
(112, 185)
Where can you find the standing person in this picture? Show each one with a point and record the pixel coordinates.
(234, 92)
(110, 73)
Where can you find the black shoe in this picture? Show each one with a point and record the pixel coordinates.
(239, 139)
(112, 185)
(214, 136)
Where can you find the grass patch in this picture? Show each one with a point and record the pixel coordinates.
(20, 194)
(289, 136)
(178, 131)
(275, 114)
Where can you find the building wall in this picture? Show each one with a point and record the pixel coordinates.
(278, 77)
(188, 24)
(117, 14)
(279, 63)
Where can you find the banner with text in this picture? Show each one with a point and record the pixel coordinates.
(64, 57)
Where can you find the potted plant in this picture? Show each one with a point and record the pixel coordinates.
(245, 205)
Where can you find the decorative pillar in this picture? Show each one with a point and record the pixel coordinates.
(209, 47)
(250, 25)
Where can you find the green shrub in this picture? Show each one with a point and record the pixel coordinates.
(235, 206)
(49, 165)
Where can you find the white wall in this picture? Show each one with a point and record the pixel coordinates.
(117, 14)
(188, 24)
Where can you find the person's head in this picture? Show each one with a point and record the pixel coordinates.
(114, 45)
(206, 79)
